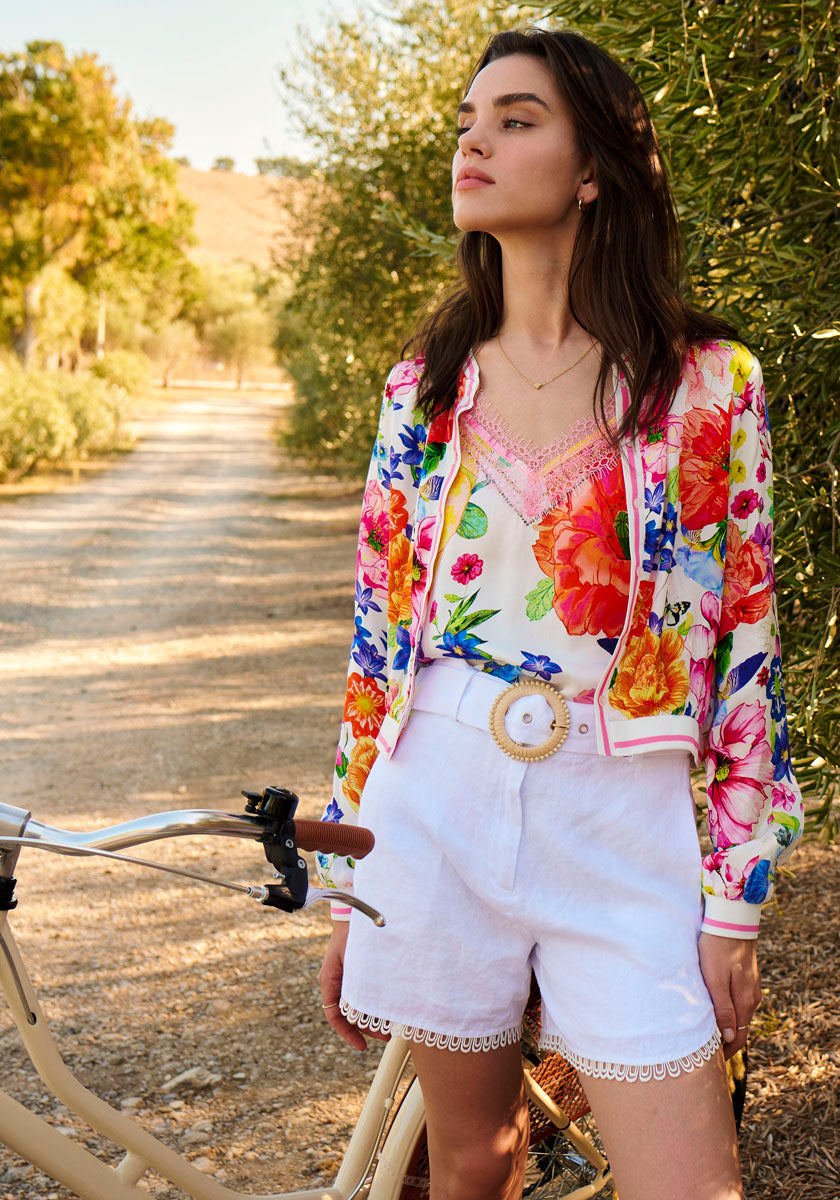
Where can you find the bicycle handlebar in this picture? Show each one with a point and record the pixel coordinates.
(326, 836)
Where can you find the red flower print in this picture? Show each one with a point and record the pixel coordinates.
(745, 567)
(467, 568)
(704, 467)
(739, 767)
(579, 549)
(364, 706)
(397, 512)
(744, 503)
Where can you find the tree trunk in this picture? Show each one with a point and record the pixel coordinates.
(27, 343)
(100, 326)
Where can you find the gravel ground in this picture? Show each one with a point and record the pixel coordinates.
(174, 628)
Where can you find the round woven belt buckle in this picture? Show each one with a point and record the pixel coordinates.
(559, 726)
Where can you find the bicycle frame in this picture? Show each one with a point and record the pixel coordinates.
(36, 1141)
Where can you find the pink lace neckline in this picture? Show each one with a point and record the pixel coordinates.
(533, 478)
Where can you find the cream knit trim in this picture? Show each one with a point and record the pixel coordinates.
(643, 1071)
(443, 1041)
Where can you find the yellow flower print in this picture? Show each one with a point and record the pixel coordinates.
(740, 364)
(652, 677)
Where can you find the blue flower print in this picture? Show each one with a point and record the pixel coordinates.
(332, 812)
(775, 690)
(758, 882)
(414, 440)
(781, 753)
(365, 601)
(654, 497)
(369, 660)
(461, 645)
(701, 566)
(392, 471)
(506, 671)
(659, 540)
(403, 648)
(540, 664)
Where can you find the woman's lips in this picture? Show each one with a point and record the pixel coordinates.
(470, 181)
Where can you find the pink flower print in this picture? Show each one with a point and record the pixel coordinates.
(733, 884)
(373, 538)
(422, 553)
(433, 612)
(739, 767)
(467, 568)
(761, 471)
(744, 503)
(784, 798)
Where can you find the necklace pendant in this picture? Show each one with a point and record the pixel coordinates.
(538, 386)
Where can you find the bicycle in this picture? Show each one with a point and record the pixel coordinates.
(386, 1158)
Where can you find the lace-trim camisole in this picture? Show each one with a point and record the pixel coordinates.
(533, 571)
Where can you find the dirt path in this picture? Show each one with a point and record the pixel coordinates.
(171, 631)
(176, 628)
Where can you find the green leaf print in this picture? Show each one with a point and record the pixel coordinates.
(673, 488)
(433, 454)
(461, 618)
(539, 600)
(686, 625)
(451, 597)
(473, 523)
(341, 766)
(622, 531)
(723, 655)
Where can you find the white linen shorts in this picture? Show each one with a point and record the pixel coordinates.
(582, 867)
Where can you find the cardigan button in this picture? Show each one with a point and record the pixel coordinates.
(638, 502)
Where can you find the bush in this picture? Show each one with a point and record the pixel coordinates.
(95, 408)
(46, 417)
(126, 369)
(35, 425)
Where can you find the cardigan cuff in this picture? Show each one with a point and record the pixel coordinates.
(730, 918)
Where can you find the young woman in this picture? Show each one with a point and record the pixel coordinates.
(564, 601)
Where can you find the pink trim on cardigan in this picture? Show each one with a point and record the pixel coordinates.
(729, 925)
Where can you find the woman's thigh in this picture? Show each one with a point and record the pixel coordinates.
(476, 1120)
(669, 1137)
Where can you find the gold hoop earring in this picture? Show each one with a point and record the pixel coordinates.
(580, 204)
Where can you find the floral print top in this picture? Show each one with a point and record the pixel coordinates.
(696, 664)
(535, 578)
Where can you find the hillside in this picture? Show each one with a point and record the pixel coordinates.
(237, 216)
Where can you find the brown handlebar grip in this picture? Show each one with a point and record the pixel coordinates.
(330, 837)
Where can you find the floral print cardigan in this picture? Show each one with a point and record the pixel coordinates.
(697, 662)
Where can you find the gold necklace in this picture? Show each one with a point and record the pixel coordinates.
(545, 381)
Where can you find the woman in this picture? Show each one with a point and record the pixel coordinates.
(614, 562)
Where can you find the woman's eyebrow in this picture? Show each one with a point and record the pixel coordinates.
(505, 100)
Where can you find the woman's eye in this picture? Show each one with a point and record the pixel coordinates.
(464, 128)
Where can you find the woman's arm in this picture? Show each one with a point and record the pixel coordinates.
(755, 809)
(364, 704)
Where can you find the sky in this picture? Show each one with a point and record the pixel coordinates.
(208, 67)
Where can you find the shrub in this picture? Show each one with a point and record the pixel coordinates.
(126, 369)
(95, 408)
(35, 425)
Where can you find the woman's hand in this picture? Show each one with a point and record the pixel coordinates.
(730, 971)
(330, 977)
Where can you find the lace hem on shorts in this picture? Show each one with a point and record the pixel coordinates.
(443, 1041)
(641, 1071)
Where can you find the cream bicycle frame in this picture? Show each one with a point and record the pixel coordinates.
(37, 1142)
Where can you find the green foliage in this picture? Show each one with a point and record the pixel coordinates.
(95, 408)
(285, 166)
(381, 114)
(172, 348)
(84, 188)
(742, 96)
(50, 416)
(124, 369)
(223, 164)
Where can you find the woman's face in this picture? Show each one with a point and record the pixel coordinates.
(526, 147)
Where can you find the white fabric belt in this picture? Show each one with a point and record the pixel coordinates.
(453, 689)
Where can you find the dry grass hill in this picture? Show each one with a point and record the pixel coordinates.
(238, 217)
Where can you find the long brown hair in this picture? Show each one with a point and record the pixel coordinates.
(625, 271)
